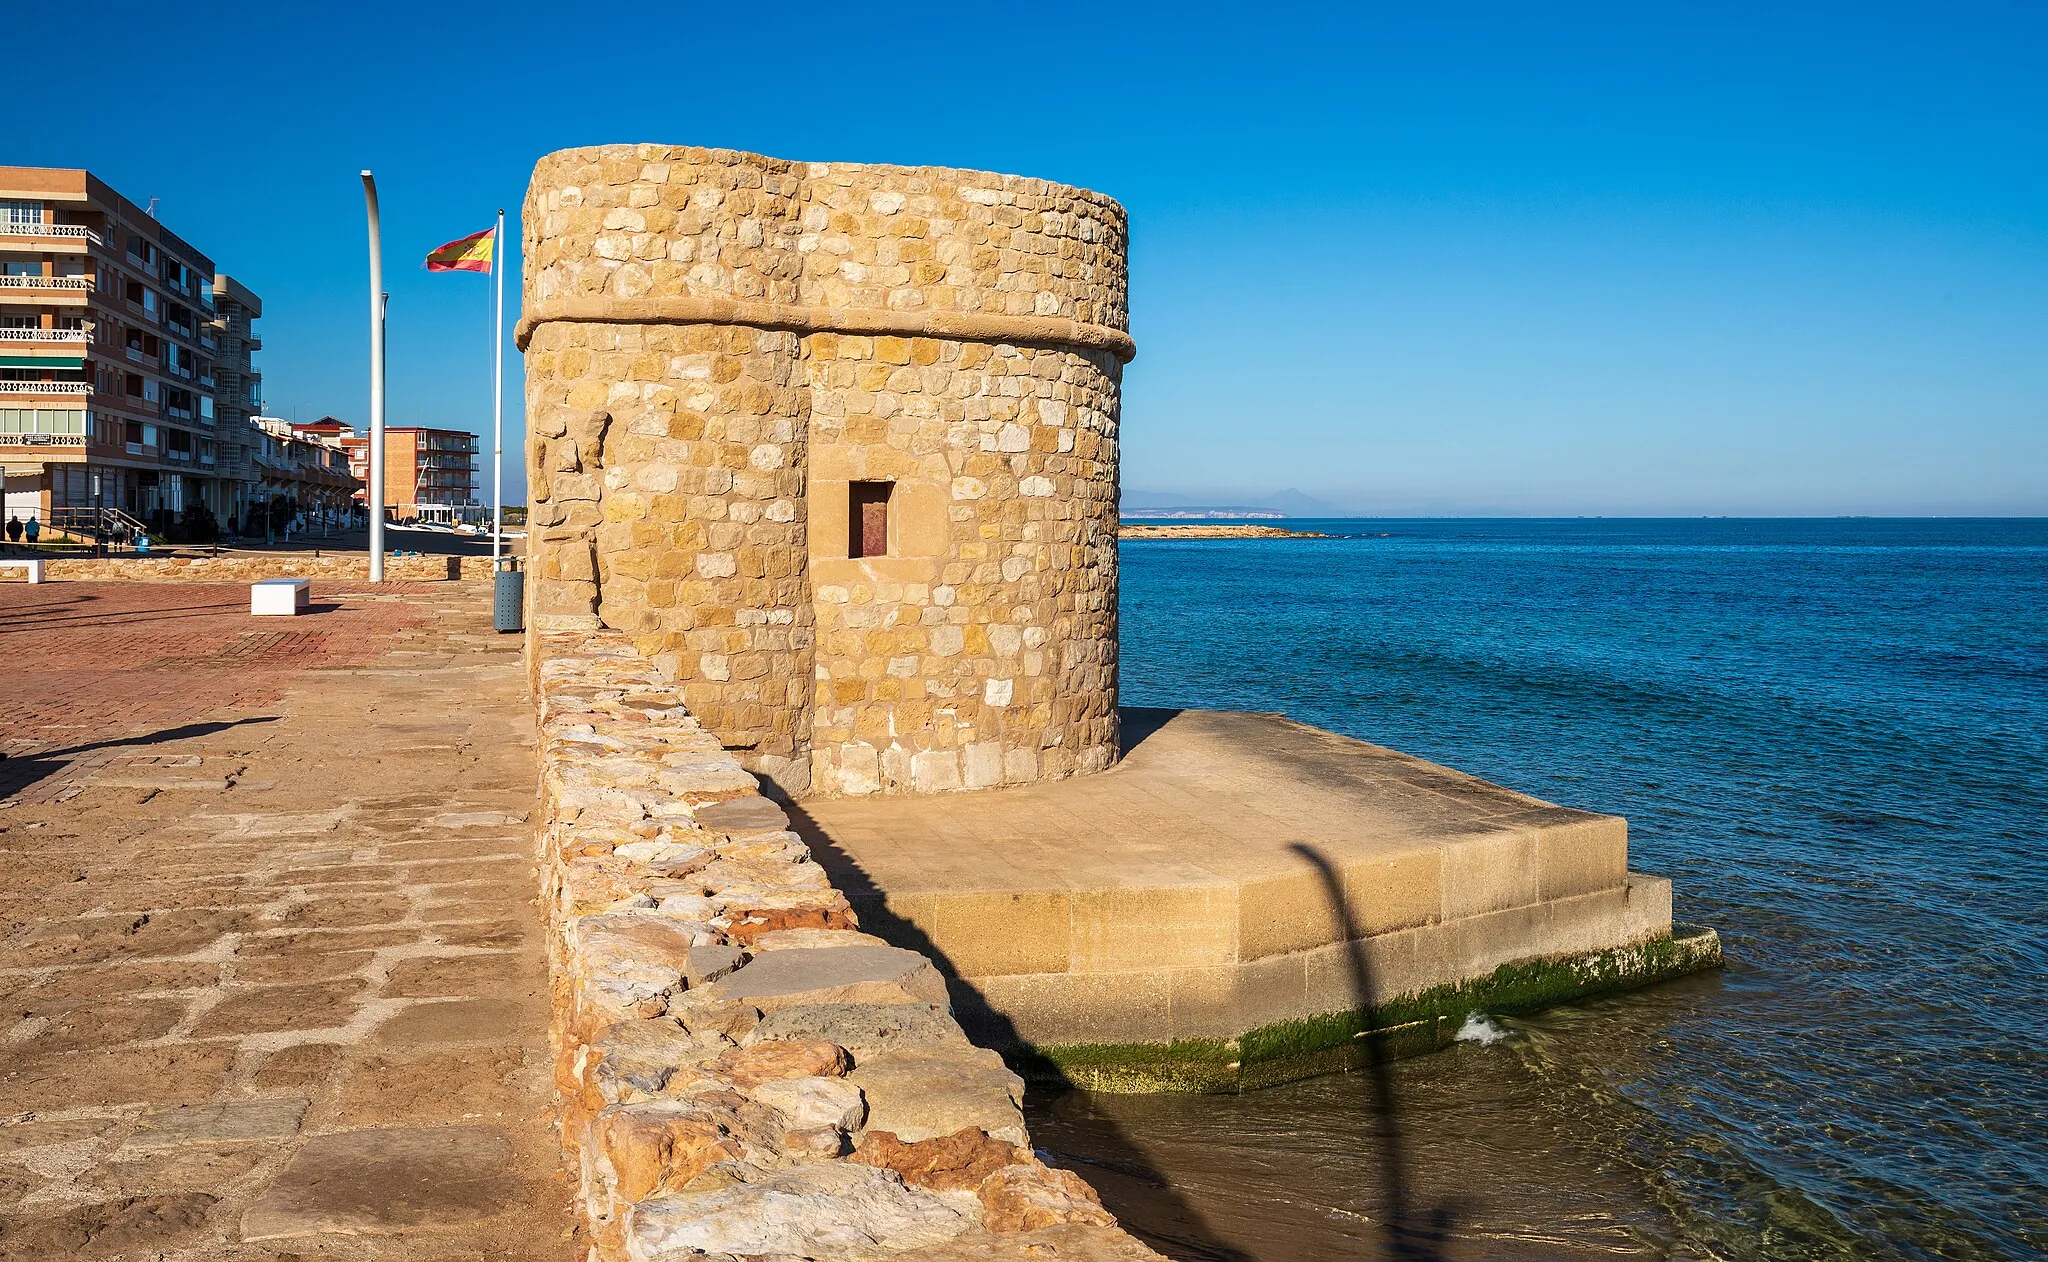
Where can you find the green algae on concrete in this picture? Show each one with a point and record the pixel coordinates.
(1287, 1051)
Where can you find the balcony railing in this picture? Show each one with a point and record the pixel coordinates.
(42, 440)
(45, 282)
(79, 231)
(44, 335)
(45, 387)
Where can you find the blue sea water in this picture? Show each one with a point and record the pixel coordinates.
(1831, 734)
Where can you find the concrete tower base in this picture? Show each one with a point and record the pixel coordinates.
(1245, 900)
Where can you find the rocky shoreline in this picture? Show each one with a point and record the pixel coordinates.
(742, 1071)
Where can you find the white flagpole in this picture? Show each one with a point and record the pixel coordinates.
(373, 493)
(498, 397)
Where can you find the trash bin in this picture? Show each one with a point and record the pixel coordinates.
(509, 602)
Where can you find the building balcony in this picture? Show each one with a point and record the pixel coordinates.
(44, 440)
(51, 231)
(79, 336)
(46, 283)
(12, 389)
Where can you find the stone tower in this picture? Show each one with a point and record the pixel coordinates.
(837, 445)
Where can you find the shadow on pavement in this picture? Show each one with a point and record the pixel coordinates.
(1137, 723)
(161, 736)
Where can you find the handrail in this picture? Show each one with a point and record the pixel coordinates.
(80, 521)
(42, 440)
(45, 282)
(43, 335)
(12, 228)
(45, 387)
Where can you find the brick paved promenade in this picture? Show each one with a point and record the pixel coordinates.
(270, 985)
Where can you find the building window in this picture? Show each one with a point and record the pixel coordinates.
(41, 421)
(867, 519)
(21, 213)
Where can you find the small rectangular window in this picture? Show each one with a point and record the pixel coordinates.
(867, 519)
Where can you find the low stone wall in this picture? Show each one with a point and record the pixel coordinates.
(251, 567)
(742, 1071)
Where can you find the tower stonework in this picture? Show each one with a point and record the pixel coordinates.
(837, 445)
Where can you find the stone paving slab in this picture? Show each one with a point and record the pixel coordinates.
(271, 983)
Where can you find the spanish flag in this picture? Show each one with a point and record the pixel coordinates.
(470, 254)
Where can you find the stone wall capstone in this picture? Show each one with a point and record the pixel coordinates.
(250, 567)
(726, 351)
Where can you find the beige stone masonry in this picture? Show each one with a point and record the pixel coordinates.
(743, 1072)
(721, 345)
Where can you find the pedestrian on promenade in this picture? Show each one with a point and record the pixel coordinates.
(33, 529)
(13, 529)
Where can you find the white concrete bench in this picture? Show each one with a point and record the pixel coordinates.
(280, 596)
(34, 566)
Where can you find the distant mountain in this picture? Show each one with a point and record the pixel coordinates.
(1287, 503)
(1195, 511)
(1295, 504)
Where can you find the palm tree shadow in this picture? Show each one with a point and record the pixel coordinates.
(1411, 1233)
(1159, 1213)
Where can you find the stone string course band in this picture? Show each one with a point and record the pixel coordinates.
(953, 325)
(743, 1072)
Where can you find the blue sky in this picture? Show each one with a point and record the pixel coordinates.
(1628, 259)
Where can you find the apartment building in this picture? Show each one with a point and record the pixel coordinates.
(424, 468)
(111, 358)
(301, 470)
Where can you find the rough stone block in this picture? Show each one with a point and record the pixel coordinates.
(864, 1030)
(782, 979)
(829, 1209)
(923, 1093)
